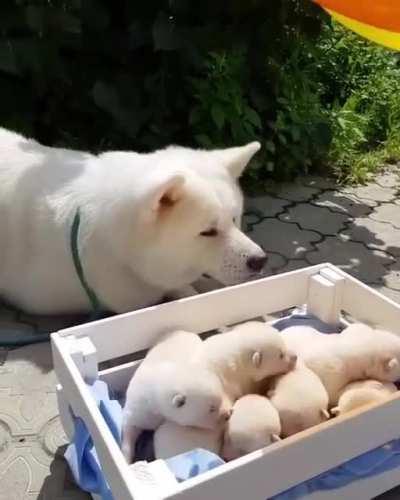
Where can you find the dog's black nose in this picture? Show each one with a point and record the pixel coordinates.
(256, 263)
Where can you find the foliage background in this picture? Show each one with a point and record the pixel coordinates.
(95, 75)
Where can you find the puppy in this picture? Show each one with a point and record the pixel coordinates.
(254, 424)
(245, 355)
(300, 399)
(362, 393)
(171, 439)
(186, 394)
(359, 352)
(167, 385)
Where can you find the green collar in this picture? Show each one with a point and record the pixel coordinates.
(97, 310)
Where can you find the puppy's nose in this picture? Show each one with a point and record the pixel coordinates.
(226, 415)
(256, 263)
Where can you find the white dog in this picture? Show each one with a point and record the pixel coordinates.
(150, 224)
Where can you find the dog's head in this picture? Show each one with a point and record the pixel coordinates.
(183, 220)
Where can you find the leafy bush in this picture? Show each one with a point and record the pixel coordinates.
(97, 75)
(122, 74)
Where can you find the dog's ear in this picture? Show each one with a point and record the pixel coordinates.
(390, 364)
(235, 160)
(167, 193)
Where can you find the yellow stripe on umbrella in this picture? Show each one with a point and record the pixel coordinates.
(376, 20)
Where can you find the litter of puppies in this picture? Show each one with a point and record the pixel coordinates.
(253, 385)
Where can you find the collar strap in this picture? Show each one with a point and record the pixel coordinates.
(91, 295)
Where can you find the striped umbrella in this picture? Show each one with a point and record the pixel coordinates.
(377, 20)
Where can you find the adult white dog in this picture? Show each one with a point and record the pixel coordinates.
(142, 225)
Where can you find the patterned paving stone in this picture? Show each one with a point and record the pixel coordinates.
(315, 218)
(374, 234)
(389, 179)
(345, 203)
(372, 192)
(294, 264)
(286, 239)
(291, 192)
(318, 182)
(367, 265)
(248, 221)
(392, 277)
(387, 213)
(265, 206)
(391, 294)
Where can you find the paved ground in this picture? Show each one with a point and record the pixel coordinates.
(300, 224)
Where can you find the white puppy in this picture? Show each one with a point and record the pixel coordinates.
(362, 393)
(183, 393)
(150, 224)
(171, 439)
(253, 425)
(245, 355)
(168, 385)
(300, 398)
(359, 352)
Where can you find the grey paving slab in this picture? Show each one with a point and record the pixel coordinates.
(294, 264)
(292, 191)
(373, 192)
(345, 203)
(286, 239)
(392, 277)
(318, 182)
(389, 178)
(265, 206)
(315, 218)
(248, 221)
(389, 212)
(368, 265)
(374, 234)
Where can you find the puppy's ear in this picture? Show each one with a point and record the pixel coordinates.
(167, 193)
(256, 359)
(390, 364)
(178, 400)
(235, 160)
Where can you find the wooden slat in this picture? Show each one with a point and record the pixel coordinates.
(263, 474)
(138, 330)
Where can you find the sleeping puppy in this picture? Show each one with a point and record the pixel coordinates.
(172, 439)
(300, 398)
(245, 355)
(362, 393)
(254, 424)
(359, 352)
(169, 385)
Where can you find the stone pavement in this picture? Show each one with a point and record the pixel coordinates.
(311, 221)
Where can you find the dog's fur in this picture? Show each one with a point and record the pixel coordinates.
(245, 355)
(142, 216)
(358, 353)
(171, 439)
(300, 398)
(253, 425)
(363, 393)
(169, 384)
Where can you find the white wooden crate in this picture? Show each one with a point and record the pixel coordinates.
(328, 292)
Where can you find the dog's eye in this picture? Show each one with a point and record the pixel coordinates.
(213, 409)
(209, 232)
